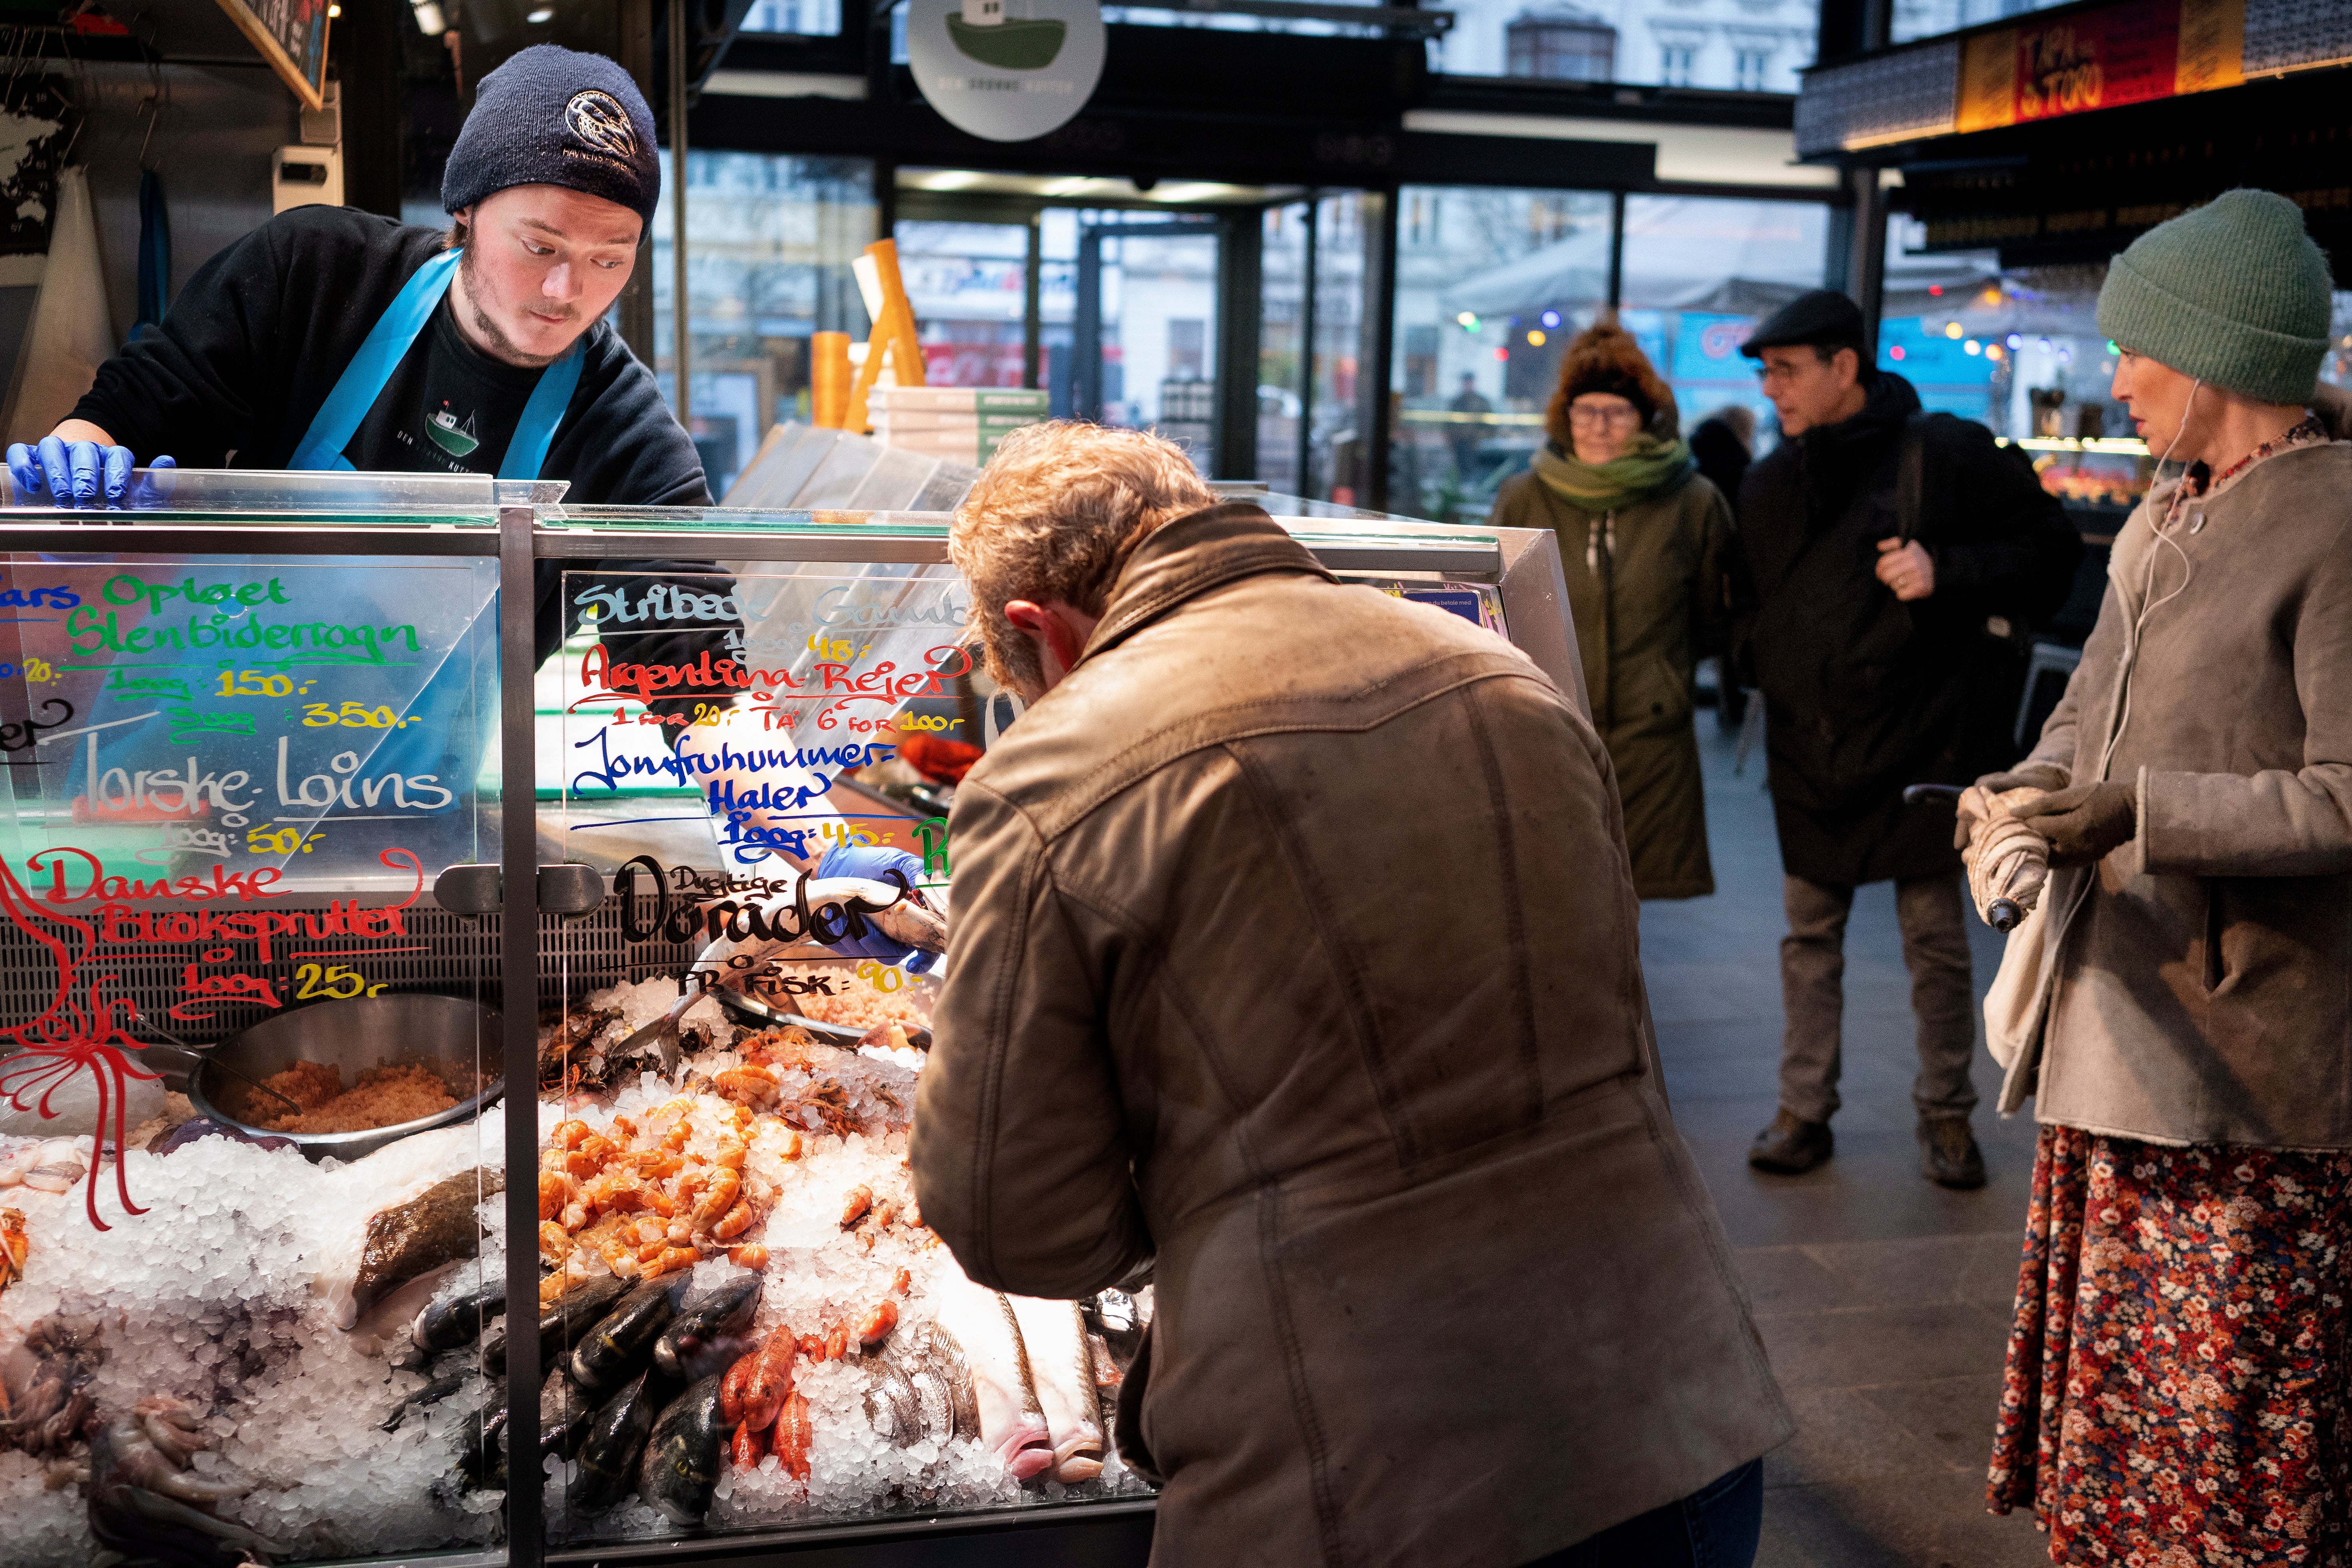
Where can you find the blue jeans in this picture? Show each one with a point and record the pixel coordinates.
(1714, 1527)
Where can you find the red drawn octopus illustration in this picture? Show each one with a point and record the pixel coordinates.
(74, 1034)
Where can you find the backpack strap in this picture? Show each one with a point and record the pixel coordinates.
(1910, 477)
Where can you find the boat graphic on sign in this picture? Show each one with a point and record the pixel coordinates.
(986, 34)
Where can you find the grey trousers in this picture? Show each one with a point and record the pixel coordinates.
(1930, 911)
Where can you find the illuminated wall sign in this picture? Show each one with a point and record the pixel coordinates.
(2100, 59)
(2070, 62)
(1008, 70)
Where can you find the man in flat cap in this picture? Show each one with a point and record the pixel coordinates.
(1890, 564)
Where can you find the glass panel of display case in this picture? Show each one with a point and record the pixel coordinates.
(747, 1326)
(764, 1336)
(1313, 522)
(250, 1178)
(276, 498)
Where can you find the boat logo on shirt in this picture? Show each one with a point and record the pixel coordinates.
(447, 434)
(598, 118)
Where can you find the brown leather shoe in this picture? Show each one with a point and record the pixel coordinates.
(1792, 1145)
(1948, 1155)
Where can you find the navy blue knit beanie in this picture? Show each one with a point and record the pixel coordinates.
(552, 116)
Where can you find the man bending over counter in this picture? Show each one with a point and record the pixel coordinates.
(1436, 1279)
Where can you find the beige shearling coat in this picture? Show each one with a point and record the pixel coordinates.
(1293, 958)
(2197, 983)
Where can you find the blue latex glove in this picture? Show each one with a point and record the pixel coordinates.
(871, 861)
(81, 474)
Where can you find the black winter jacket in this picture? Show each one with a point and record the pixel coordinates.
(1864, 693)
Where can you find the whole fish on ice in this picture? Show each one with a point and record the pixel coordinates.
(1062, 1370)
(1012, 1421)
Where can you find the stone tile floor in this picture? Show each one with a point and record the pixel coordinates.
(1884, 1300)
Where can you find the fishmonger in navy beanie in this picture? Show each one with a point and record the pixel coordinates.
(552, 116)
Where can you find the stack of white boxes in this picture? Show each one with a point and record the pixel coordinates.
(960, 424)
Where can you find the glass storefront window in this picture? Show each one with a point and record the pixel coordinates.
(1142, 322)
(1282, 323)
(1236, 22)
(1310, 348)
(968, 283)
(808, 18)
(770, 239)
(1932, 18)
(1335, 411)
(1699, 273)
(2337, 369)
(1490, 284)
(2019, 350)
(1742, 45)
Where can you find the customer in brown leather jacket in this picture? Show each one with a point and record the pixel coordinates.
(1292, 967)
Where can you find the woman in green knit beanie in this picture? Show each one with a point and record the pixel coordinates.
(2179, 1378)
(1641, 539)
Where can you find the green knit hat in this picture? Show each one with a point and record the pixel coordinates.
(2234, 293)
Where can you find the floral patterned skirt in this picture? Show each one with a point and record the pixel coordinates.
(2179, 1379)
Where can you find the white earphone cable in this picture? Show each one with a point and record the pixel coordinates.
(2120, 705)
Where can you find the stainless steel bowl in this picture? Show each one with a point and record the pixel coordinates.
(447, 1034)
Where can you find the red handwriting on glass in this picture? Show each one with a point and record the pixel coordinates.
(605, 679)
(200, 988)
(73, 1035)
(58, 865)
(78, 1031)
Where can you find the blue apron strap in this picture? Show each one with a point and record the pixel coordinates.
(338, 419)
(535, 431)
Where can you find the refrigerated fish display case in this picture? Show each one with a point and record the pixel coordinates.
(465, 972)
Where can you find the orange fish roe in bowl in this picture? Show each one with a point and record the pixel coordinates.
(384, 1097)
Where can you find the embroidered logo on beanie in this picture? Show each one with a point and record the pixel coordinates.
(551, 116)
(597, 119)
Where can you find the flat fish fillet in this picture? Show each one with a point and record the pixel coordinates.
(1061, 1368)
(1012, 1422)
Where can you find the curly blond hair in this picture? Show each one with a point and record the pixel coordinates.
(1055, 515)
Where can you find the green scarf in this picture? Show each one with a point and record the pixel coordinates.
(1647, 466)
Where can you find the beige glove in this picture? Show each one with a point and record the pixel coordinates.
(2008, 861)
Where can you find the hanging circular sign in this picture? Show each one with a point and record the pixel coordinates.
(1005, 69)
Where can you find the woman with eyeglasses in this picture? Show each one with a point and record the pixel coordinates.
(1643, 537)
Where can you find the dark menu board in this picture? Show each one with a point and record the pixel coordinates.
(292, 36)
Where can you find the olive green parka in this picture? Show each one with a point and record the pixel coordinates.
(1646, 584)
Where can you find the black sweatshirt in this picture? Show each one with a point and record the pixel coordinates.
(258, 339)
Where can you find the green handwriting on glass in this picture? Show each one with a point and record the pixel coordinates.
(90, 630)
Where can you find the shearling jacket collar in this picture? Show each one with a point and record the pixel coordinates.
(1191, 556)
